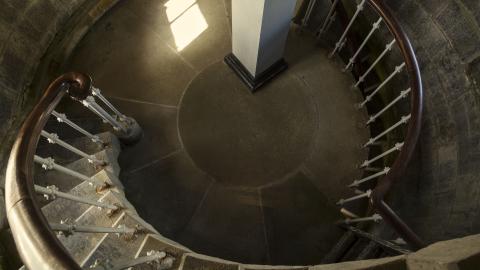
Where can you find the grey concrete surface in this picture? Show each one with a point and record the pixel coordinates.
(220, 170)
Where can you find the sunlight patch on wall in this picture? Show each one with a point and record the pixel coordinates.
(186, 21)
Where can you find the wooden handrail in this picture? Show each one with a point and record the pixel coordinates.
(413, 131)
(37, 244)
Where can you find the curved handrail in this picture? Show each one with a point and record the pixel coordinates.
(38, 246)
(413, 131)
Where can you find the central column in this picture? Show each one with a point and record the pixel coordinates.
(259, 32)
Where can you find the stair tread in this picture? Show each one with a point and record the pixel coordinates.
(116, 248)
(66, 182)
(80, 244)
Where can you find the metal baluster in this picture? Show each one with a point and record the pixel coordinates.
(404, 120)
(338, 45)
(96, 92)
(62, 118)
(90, 103)
(53, 138)
(397, 70)
(397, 147)
(373, 169)
(70, 228)
(375, 218)
(356, 183)
(403, 94)
(308, 12)
(328, 19)
(49, 164)
(359, 196)
(380, 57)
(375, 26)
(51, 192)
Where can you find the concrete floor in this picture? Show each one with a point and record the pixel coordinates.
(247, 177)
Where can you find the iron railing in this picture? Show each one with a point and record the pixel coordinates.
(34, 235)
(390, 173)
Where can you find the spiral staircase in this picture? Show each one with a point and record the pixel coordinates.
(72, 211)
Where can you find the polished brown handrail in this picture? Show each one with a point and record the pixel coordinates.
(37, 244)
(413, 131)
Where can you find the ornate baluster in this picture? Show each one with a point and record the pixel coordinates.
(375, 218)
(356, 183)
(379, 58)
(403, 94)
(96, 92)
(68, 228)
(375, 26)
(53, 138)
(51, 192)
(403, 120)
(397, 70)
(339, 44)
(128, 129)
(90, 103)
(359, 196)
(62, 118)
(397, 147)
(308, 12)
(49, 164)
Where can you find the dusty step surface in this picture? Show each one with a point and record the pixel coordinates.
(116, 248)
(160, 243)
(81, 244)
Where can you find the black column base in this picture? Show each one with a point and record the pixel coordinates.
(253, 83)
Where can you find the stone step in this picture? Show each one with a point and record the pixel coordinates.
(80, 244)
(159, 243)
(64, 156)
(191, 261)
(115, 248)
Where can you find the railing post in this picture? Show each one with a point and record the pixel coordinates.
(53, 138)
(128, 130)
(341, 41)
(51, 192)
(62, 118)
(49, 164)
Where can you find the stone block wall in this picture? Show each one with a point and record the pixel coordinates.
(439, 195)
(36, 38)
(442, 200)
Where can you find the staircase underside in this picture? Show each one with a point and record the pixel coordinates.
(245, 177)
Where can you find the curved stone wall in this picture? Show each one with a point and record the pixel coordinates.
(442, 200)
(440, 193)
(36, 38)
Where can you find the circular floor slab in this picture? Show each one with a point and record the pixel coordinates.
(245, 139)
